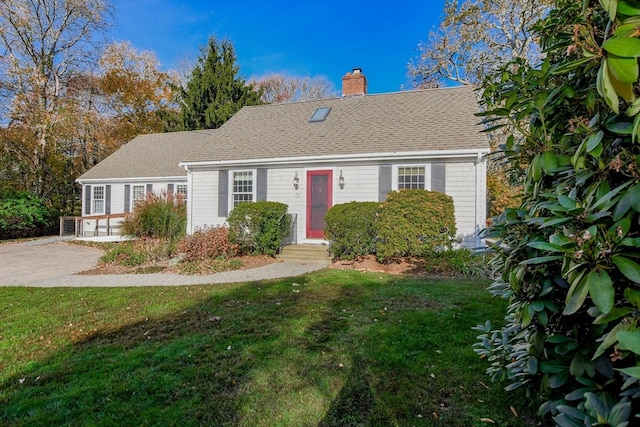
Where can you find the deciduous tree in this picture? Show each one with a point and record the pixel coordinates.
(475, 38)
(281, 88)
(45, 45)
(137, 96)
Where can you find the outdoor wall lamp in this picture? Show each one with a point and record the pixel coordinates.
(296, 181)
(341, 181)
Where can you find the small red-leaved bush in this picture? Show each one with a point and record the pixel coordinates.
(207, 243)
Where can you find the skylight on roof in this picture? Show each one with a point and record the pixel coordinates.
(320, 114)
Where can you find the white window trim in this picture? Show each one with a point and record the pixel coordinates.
(133, 199)
(186, 189)
(427, 174)
(93, 199)
(254, 174)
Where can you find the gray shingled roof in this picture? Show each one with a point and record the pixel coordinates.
(424, 120)
(147, 156)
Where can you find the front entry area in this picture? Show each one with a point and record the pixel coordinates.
(319, 200)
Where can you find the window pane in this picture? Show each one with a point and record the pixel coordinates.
(98, 192)
(138, 192)
(242, 190)
(98, 206)
(182, 190)
(240, 198)
(98, 199)
(411, 178)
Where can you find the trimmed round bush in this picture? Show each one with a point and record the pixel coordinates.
(414, 223)
(259, 227)
(350, 229)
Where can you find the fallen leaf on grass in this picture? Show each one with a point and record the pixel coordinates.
(513, 411)
(487, 420)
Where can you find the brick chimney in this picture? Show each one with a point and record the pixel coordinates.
(354, 83)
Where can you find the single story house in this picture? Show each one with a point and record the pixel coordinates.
(146, 163)
(313, 155)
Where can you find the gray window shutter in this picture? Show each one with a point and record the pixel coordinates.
(169, 188)
(127, 198)
(223, 193)
(438, 177)
(87, 200)
(384, 182)
(261, 185)
(149, 188)
(107, 200)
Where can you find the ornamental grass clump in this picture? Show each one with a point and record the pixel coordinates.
(159, 215)
(568, 256)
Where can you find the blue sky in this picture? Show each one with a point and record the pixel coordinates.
(327, 38)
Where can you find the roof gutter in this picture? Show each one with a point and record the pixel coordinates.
(394, 156)
(82, 181)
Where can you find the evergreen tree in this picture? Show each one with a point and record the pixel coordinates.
(215, 91)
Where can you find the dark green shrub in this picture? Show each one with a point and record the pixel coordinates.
(259, 227)
(161, 215)
(414, 223)
(207, 243)
(349, 227)
(23, 215)
(568, 256)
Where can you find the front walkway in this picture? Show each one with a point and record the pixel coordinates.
(52, 263)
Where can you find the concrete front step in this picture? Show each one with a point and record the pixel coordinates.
(308, 254)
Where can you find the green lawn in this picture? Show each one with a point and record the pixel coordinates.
(334, 348)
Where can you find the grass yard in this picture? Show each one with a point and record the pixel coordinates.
(334, 348)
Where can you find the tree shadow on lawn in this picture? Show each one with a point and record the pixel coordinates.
(290, 352)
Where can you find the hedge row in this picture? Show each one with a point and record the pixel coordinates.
(410, 223)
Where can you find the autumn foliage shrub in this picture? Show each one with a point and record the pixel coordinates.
(259, 227)
(162, 215)
(207, 243)
(350, 229)
(414, 223)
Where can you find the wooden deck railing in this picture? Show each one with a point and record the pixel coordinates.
(77, 222)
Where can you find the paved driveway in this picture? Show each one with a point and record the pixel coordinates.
(43, 264)
(29, 263)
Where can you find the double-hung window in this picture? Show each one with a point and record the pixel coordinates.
(137, 194)
(411, 177)
(182, 189)
(242, 187)
(98, 200)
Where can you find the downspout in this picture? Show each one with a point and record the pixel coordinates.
(478, 202)
(189, 200)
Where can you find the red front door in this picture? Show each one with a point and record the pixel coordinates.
(319, 185)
